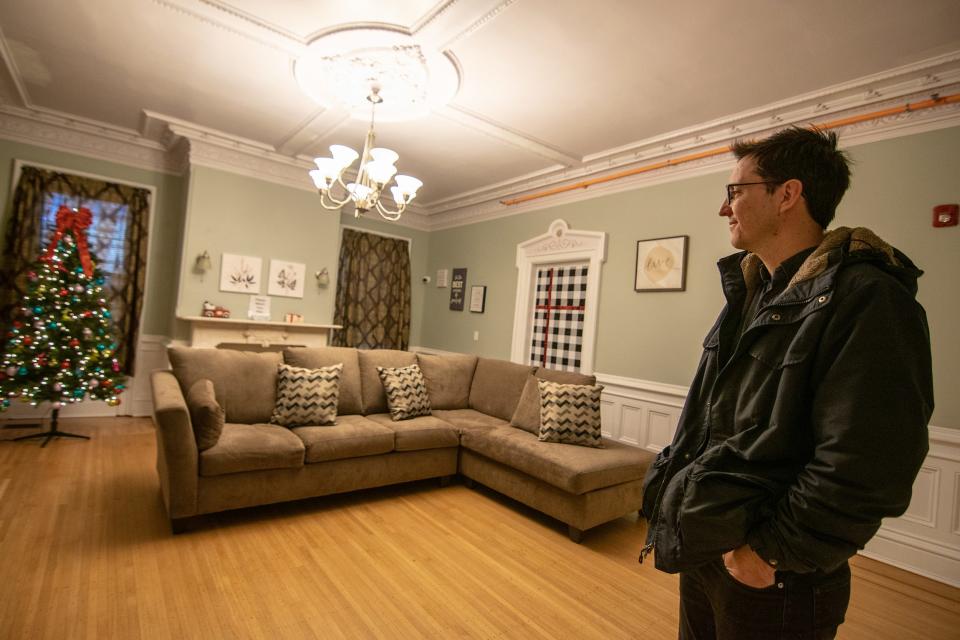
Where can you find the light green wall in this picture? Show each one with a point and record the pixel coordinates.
(657, 336)
(230, 213)
(651, 336)
(165, 225)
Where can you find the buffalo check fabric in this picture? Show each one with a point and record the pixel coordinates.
(306, 396)
(406, 391)
(570, 413)
(558, 317)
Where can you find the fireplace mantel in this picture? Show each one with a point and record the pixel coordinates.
(211, 332)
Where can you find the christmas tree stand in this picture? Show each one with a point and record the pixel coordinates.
(52, 433)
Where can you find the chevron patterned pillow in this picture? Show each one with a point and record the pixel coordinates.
(406, 391)
(570, 413)
(306, 396)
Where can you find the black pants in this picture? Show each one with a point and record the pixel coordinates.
(715, 606)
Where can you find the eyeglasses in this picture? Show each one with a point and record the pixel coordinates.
(730, 187)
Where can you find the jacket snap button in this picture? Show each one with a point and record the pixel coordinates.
(775, 317)
(822, 299)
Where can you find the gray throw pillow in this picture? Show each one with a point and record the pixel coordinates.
(406, 391)
(206, 415)
(306, 396)
(570, 413)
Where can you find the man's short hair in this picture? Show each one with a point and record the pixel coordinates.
(808, 155)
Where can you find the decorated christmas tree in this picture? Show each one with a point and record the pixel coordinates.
(60, 348)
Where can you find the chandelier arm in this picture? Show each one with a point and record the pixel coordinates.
(334, 204)
(386, 214)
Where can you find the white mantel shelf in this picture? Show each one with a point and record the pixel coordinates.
(211, 332)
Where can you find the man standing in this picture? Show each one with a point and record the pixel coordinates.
(806, 423)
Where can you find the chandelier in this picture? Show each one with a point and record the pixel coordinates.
(375, 171)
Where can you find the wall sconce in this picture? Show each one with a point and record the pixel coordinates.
(323, 277)
(203, 263)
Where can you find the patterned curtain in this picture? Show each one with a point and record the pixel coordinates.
(118, 236)
(373, 292)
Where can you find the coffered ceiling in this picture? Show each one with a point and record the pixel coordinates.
(550, 92)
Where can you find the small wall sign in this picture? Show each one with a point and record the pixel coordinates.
(457, 289)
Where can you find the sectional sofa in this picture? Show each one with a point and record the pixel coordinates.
(479, 426)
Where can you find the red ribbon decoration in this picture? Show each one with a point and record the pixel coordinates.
(76, 222)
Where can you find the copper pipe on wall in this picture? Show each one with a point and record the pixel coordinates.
(934, 101)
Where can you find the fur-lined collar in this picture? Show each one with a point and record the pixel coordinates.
(857, 239)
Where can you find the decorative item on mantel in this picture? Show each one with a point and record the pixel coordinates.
(211, 310)
(259, 308)
(293, 318)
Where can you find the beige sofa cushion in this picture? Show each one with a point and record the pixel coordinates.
(464, 419)
(252, 447)
(352, 437)
(423, 432)
(317, 357)
(245, 382)
(574, 469)
(206, 415)
(448, 379)
(527, 415)
(373, 398)
(497, 385)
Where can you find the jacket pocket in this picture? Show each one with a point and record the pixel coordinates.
(719, 509)
(653, 481)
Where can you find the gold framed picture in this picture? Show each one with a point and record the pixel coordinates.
(662, 264)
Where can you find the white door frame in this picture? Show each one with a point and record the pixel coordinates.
(559, 244)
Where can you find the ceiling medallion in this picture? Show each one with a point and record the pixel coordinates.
(338, 69)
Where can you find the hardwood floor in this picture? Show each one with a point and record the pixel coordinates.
(85, 552)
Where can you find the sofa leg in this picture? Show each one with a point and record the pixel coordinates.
(445, 481)
(179, 525)
(575, 534)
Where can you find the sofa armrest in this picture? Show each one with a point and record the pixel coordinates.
(177, 454)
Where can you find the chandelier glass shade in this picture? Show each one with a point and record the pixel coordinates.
(377, 167)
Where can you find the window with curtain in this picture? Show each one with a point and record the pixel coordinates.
(117, 235)
(373, 292)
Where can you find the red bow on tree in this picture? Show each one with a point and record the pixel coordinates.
(76, 222)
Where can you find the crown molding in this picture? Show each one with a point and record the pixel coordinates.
(866, 95)
(72, 134)
(169, 145)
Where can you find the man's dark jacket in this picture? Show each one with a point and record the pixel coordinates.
(814, 428)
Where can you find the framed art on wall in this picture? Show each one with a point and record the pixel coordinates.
(457, 289)
(661, 264)
(240, 273)
(286, 278)
(478, 298)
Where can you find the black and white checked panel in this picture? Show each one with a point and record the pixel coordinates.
(561, 293)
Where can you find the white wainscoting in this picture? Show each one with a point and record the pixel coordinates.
(924, 540)
(151, 354)
(640, 412)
